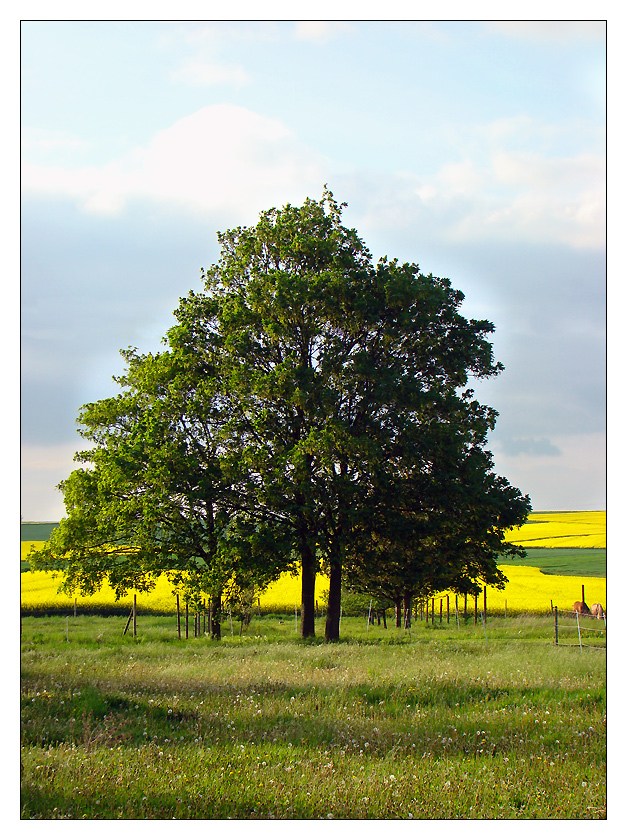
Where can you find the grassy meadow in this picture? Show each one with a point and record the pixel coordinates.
(450, 720)
(442, 722)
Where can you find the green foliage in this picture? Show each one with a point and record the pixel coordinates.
(347, 383)
(311, 407)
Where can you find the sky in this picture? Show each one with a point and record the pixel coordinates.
(473, 148)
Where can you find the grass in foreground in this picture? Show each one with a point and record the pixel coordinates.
(438, 724)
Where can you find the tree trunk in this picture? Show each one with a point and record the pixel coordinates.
(332, 628)
(307, 613)
(407, 608)
(398, 610)
(214, 616)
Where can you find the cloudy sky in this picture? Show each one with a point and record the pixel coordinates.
(476, 149)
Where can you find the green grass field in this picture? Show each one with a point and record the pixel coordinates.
(586, 562)
(437, 723)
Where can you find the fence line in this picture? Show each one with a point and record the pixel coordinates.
(579, 627)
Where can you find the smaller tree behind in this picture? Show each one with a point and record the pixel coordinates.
(439, 517)
(157, 494)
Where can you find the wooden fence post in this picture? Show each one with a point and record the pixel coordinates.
(134, 614)
(128, 623)
(485, 603)
(448, 611)
(441, 602)
(556, 641)
(178, 615)
(433, 611)
(187, 619)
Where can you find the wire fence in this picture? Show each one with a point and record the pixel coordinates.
(574, 629)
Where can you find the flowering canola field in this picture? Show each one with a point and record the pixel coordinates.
(562, 529)
(528, 590)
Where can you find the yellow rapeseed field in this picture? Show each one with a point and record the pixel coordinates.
(562, 529)
(26, 547)
(39, 591)
(528, 590)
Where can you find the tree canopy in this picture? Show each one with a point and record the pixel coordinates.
(312, 407)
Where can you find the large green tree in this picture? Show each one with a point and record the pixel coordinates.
(335, 366)
(295, 406)
(284, 309)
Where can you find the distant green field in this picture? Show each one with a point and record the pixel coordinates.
(36, 531)
(586, 562)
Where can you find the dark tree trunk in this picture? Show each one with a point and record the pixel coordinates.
(307, 551)
(407, 608)
(332, 628)
(308, 614)
(215, 615)
(398, 609)
(215, 603)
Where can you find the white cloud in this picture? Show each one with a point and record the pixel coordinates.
(203, 74)
(229, 159)
(454, 179)
(561, 31)
(320, 31)
(222, 157)
(519, 195)
(47, 139)
(216, 35)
